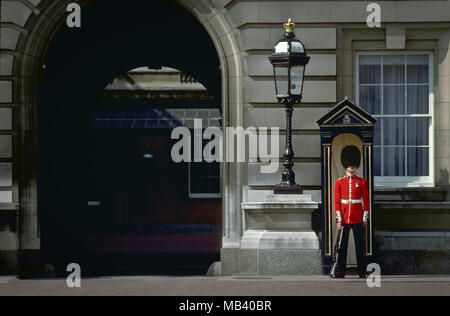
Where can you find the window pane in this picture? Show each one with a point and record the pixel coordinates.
(417, 68)
(297, 73)
(281, 80)
(394, 69)
(370, 69)
(418, 131)
(377, 131)
(418, 162)
(370, 99)
(377, 161)
(394, 131)
(394, 100)
(394, 161)
(418, 100)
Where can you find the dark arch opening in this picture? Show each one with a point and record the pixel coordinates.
(113, 39)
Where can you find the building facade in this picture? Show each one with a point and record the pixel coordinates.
(399, 72)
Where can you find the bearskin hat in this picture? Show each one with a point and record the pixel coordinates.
(350, 156)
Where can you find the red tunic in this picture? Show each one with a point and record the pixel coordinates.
(351, 188)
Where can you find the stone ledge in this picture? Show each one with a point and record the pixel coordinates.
(442, 234)
(9, 206)
(437, 194)
(282, 206)
(412, 189)
(279, 240)
(413, 206)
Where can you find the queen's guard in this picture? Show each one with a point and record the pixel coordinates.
(352, 207)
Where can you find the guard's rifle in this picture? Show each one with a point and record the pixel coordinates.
(337, 246)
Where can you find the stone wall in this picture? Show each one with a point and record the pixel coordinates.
(244, 32)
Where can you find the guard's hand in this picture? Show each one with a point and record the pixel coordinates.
(339, 226)
(364, 224)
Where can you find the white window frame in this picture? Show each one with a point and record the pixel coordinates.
(407, 181)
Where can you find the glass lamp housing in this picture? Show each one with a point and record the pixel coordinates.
(289, 60)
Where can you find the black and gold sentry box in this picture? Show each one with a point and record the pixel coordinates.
(345, 124)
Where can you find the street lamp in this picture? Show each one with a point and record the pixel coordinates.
(289, 61)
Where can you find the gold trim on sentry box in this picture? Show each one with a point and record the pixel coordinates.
(342, 110)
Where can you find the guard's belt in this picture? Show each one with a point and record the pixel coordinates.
(351, 201)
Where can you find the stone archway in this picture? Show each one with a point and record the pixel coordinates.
(41, 27)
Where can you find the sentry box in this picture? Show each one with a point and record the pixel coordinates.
(345, 124)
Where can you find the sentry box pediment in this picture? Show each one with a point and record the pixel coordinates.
(345, 124)
(346, 113)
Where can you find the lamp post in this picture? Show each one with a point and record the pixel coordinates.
(289, 61)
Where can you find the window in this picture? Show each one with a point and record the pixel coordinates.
(204, 180)
(204, 177)
(397, 90)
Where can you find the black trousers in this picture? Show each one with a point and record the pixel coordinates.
(358, 234)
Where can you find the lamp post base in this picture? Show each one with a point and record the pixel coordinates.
(288, 189)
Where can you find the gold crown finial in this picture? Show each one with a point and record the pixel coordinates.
(289, 26)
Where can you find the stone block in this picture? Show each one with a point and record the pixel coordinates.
(8, 240)
(35, 2)
(257, 37)
(5, 146)
(6, 64)
(260, 195)
(248, 261)
(302, 118)
(444, 92)
(300, 11)
(9, 38)
(5, 91)
(442, 115)
(299, 198)
(432, 262)
(289, 262)
(289, 240)
(242, 11)
(306, 174)
(5, 196)
(281, 221)
(229, 261)
(442, 143)
(262, 37)
(305, 146)
(5, 174)
(394, 262)
(356, 11)
(422, 11)
(14, 12)
(395, 36)
(5, 119)
(316, 38)
(8, 261)
(254, 222)
(263, 91)
(319, 65)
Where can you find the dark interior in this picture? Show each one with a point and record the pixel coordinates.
(145, 222)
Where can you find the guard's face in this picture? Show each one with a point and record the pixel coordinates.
(351, 170)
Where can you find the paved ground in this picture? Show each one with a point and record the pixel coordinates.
(227, 286)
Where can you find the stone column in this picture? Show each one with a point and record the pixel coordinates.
(442, 111)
